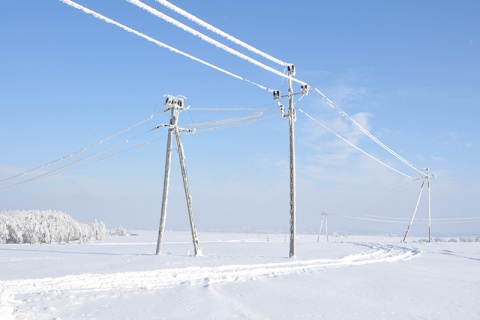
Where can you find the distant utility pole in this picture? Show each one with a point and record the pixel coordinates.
(175, 105)
(426, 178)
(291, 120)
(324, 218)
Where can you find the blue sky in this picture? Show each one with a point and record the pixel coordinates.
(408, 71)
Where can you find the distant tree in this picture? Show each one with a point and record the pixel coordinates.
(46, 226)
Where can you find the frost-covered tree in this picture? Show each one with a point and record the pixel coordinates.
(46, 226)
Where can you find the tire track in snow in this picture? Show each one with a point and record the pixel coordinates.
(163, 278)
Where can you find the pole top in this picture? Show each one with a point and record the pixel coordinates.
(291, 70)
(175, 102)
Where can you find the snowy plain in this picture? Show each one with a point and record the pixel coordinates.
(241, 276)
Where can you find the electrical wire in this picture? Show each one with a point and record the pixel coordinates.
(201, 124)
(228, 109)
(351, 144)
(208, 39)
(78, 151)
(213, 29)
(108, 156)
(405, 220)
(69, 166)
(238, 124)
(366, 132)
(160, 44)
(65, 166)
(372, 219)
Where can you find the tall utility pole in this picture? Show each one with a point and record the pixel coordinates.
(175, 105)
(290, 114)
(291, 121)
(426, 179)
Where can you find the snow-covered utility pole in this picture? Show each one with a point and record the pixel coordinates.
(291, 120)
(324, 218)
(426, 179)
(175, 105)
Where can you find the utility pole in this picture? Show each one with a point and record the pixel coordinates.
(290, 114)
(324, 218)
(291, 122)
(426, 178)
(175, 105)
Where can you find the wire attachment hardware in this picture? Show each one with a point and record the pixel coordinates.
(276, 95)
(291, 70)
(175, 102)
(304, 88)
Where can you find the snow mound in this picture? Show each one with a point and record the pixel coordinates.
(46, 226)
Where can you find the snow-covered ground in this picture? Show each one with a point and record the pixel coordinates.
(241, 276)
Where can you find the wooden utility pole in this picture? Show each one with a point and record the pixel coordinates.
(324, 218)
(175, 105)
(426, 178)
(291, 121)
(290, 114)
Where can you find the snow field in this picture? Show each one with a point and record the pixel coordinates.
(240, 276)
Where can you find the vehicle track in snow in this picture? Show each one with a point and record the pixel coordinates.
(205, 275)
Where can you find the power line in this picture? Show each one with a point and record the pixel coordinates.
(160, 44)
(220, 32)
(405, 220)
(237, 124)
(366, 132)
(69, 166)
(208, 39)
(202, 124)
(351, 144)
(104, 158)
(228, 109)
(79, 150)
(65, 166)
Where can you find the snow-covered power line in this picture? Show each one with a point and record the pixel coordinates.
(459, 220)
(351, 144)
(81, 162)
(237, 124)
(78, 151)
(138, 146)
(373, 219)
(228, 109)
(160, 44)
(213, 29)
(213, 123)
(208, 39)
(366, 132)
(65, 166)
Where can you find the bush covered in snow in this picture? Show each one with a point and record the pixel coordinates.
(46, 226)
(460, 239)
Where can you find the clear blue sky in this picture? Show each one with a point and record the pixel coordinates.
(409, 71)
